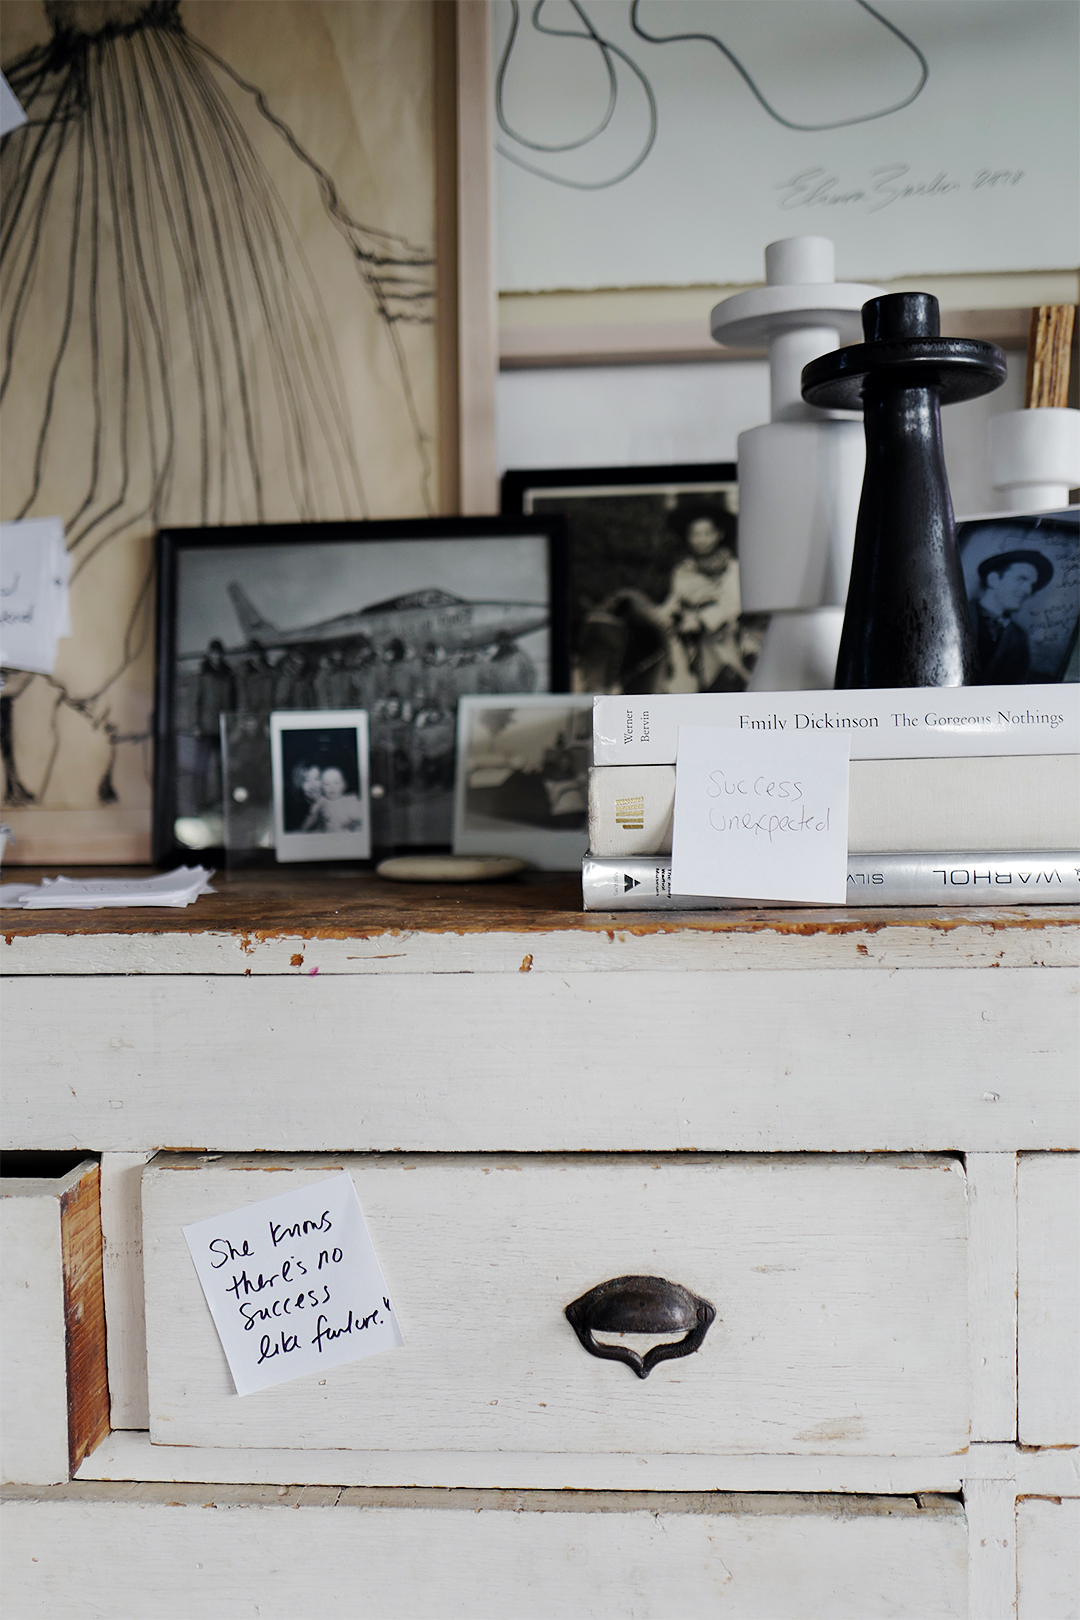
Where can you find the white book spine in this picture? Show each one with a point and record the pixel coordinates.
(916, 723)
(996, 802)
(643, 883)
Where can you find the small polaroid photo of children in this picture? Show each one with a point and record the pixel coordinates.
(322, 809)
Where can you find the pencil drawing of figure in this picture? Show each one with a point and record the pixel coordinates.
(196, 329)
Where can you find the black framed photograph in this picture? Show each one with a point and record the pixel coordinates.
(523, 779)
(319, 772)
(397, 618)
(655, 603)
(1022, 577)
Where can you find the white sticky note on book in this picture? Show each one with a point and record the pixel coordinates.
(293, 1284)
(760, 816)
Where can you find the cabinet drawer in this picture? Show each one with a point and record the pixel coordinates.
(132, 1551)
(839, 1285)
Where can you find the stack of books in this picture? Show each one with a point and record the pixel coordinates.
(957, 796)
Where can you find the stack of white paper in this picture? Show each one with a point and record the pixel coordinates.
(177, 888)
(35, 609)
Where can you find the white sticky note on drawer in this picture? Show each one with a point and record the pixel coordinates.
(761, 815)
(294, 1284)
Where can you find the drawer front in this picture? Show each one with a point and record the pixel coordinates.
(478, 1555)
(839, 1286)
(1047, 1577)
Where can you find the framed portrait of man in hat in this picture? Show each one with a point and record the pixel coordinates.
(1022, 576)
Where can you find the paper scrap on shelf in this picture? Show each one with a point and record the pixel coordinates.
(294, 1284)
(177, 888)
(35, 603)
(762, 816)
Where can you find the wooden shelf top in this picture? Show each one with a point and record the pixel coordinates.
(273, 920)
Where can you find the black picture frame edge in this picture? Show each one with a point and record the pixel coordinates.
(517, 480)
(171, 540)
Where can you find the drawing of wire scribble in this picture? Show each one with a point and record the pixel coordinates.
(610, 53)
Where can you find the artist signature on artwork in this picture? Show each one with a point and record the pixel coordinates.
(888, 184)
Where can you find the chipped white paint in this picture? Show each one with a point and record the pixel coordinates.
(121, 1553)
(991, 1181)
(1047, 1561)
(1049, 1298)
(33, 1392)
(121, 1260)
(956, 938)
(816, 1061)
(868, 1038)
(128, 1455)
(131, 1455)
(991, 1514)
(840, 1288)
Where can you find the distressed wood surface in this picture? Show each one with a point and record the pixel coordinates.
(33, 1343)
(130, 1455)
(840, 1288)
(1049, 356)
(991, 1511)
(347, 922)
(991, 1179)
(125, 1317)
(1047, 1565)
(84, 1313)
(834, 1060)
(55, 1385)
(1049, 1298)
(114, 1553)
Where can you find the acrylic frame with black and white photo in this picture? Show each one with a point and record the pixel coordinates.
(322, 802)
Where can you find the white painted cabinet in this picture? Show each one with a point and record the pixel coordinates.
(854, 1133)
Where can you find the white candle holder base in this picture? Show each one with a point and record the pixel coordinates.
(799, 489)
(799, 652)
(1035, 457)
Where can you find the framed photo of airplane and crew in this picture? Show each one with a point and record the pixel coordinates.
(397, 619)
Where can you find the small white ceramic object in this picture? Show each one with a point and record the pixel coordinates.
(1035, 457)
(450, 868)
(800, 475)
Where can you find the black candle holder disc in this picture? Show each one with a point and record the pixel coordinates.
(906, 622)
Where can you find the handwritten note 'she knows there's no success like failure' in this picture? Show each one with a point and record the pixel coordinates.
(760, 817)
(293, 1284)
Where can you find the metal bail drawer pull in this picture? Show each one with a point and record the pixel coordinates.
(640, 1305)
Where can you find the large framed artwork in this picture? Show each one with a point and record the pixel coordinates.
(662, 143)
(219, 280)
(654, 574)
(396, 618)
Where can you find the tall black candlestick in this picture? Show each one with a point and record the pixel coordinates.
(906, 622)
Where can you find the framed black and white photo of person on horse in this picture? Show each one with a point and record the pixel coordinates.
(397, 618)
(654, 572)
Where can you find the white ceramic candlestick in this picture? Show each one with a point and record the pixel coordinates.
(800, 475)
(1035, 457)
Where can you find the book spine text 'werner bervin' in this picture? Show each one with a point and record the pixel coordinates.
(915, 723)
